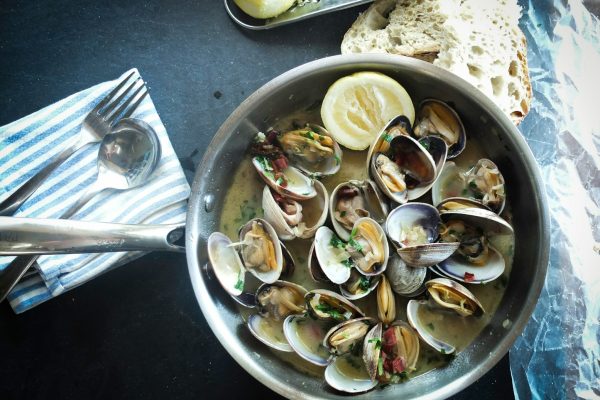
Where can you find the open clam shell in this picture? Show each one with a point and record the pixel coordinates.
(312, 150)
(226, 263)
(488, 221)
(438, 119)
(451, 295)
(331, 256)
(289, 264)
(368, 247)
(456, 267)
(305, 336)
(297, 186)
(404, 170)
(359, 285)
(314, 268)
(404, 343)
(348, 374)
(279, 299)
(458, 203)
(261, 250)
(304, 218)
(404, 280)
(413, 229)
(327, 305)
(269, 331)
(483, 184)
(355, 199)
(412, 313)
(343, 337)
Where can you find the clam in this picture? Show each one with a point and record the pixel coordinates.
(392, 353)
(439, 151)
(305, 336)
(314, 268)
(327, 305)
(269, 332)
(280, 299)
(261, 250)
(368, 247)
(404, 280)
(413, 229)
(444, 294)
(353, 200)
(342, 338)
(285, 179)
(312, 150)
(292, 219)
(483, 184)
(401, 167)
(386, 302)
(451, 295)
(438, 119)
(358, 285)
(475, 260)
(226, 263)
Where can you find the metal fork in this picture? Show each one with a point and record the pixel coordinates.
(95, 126)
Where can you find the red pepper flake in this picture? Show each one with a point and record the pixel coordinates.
(399, 365)
(469, 277)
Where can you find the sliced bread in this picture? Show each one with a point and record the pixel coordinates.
(477, 40)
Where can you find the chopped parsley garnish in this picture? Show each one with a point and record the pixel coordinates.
(336, 242)
(327, 309)
(377, 342)
(353, 233)
(348, 263)
(443, 351)
(380, 366)
(472, 185)
(338, 161)
(364, 284)
(343, 214)
(265, 165)
(465, 192)
(431, 326)
(387, 137)
(425, 145)
(240, 283)
(309, 135)
(355, 244)
(279, 181)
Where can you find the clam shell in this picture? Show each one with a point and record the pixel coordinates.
(375, 203)
(490, 222)
(372, 350)
(457, 203)
(404, 280)
(439, 151)
(328, 167)
(335, 270)
(418, 214)
(368, 321)
(459, 290)
(412, 313)
(291, 285)
(380, 268)
(274, 214)
(448, 113)
(268, 331)
(305, 336)
(314, 268)
(289, 264)
(300, 187)
(226, 263)
(456, 267)
(272, 275)
(347, 309)
(337, 377)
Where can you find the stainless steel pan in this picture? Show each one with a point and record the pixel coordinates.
(485, 122)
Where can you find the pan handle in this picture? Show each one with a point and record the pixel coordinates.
(31, 236)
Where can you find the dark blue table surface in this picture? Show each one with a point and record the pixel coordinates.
(137, 332)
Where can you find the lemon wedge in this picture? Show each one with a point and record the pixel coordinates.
(357, 107)
(263, 9)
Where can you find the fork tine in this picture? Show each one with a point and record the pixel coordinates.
(135, 105)
(115, 115)
(113, 92)
(111, 106)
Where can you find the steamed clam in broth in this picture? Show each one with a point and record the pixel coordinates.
(451, 328)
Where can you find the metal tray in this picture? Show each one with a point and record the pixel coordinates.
(296, 13)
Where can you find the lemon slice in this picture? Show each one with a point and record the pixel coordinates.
(357, 107)
(263, 9)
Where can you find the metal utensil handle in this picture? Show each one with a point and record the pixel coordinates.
(30, 236)
(12, 203)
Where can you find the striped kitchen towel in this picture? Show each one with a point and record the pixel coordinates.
(25, 147)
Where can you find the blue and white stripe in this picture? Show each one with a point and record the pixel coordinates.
(25, 147)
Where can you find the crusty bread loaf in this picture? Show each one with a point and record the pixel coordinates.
(479, 40)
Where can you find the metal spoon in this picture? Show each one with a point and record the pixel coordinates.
(126, 159)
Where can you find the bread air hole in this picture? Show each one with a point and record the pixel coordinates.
(497, 85)
(475, 71)
(512, 68)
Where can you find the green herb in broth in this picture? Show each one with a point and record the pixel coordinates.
(462, 330)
